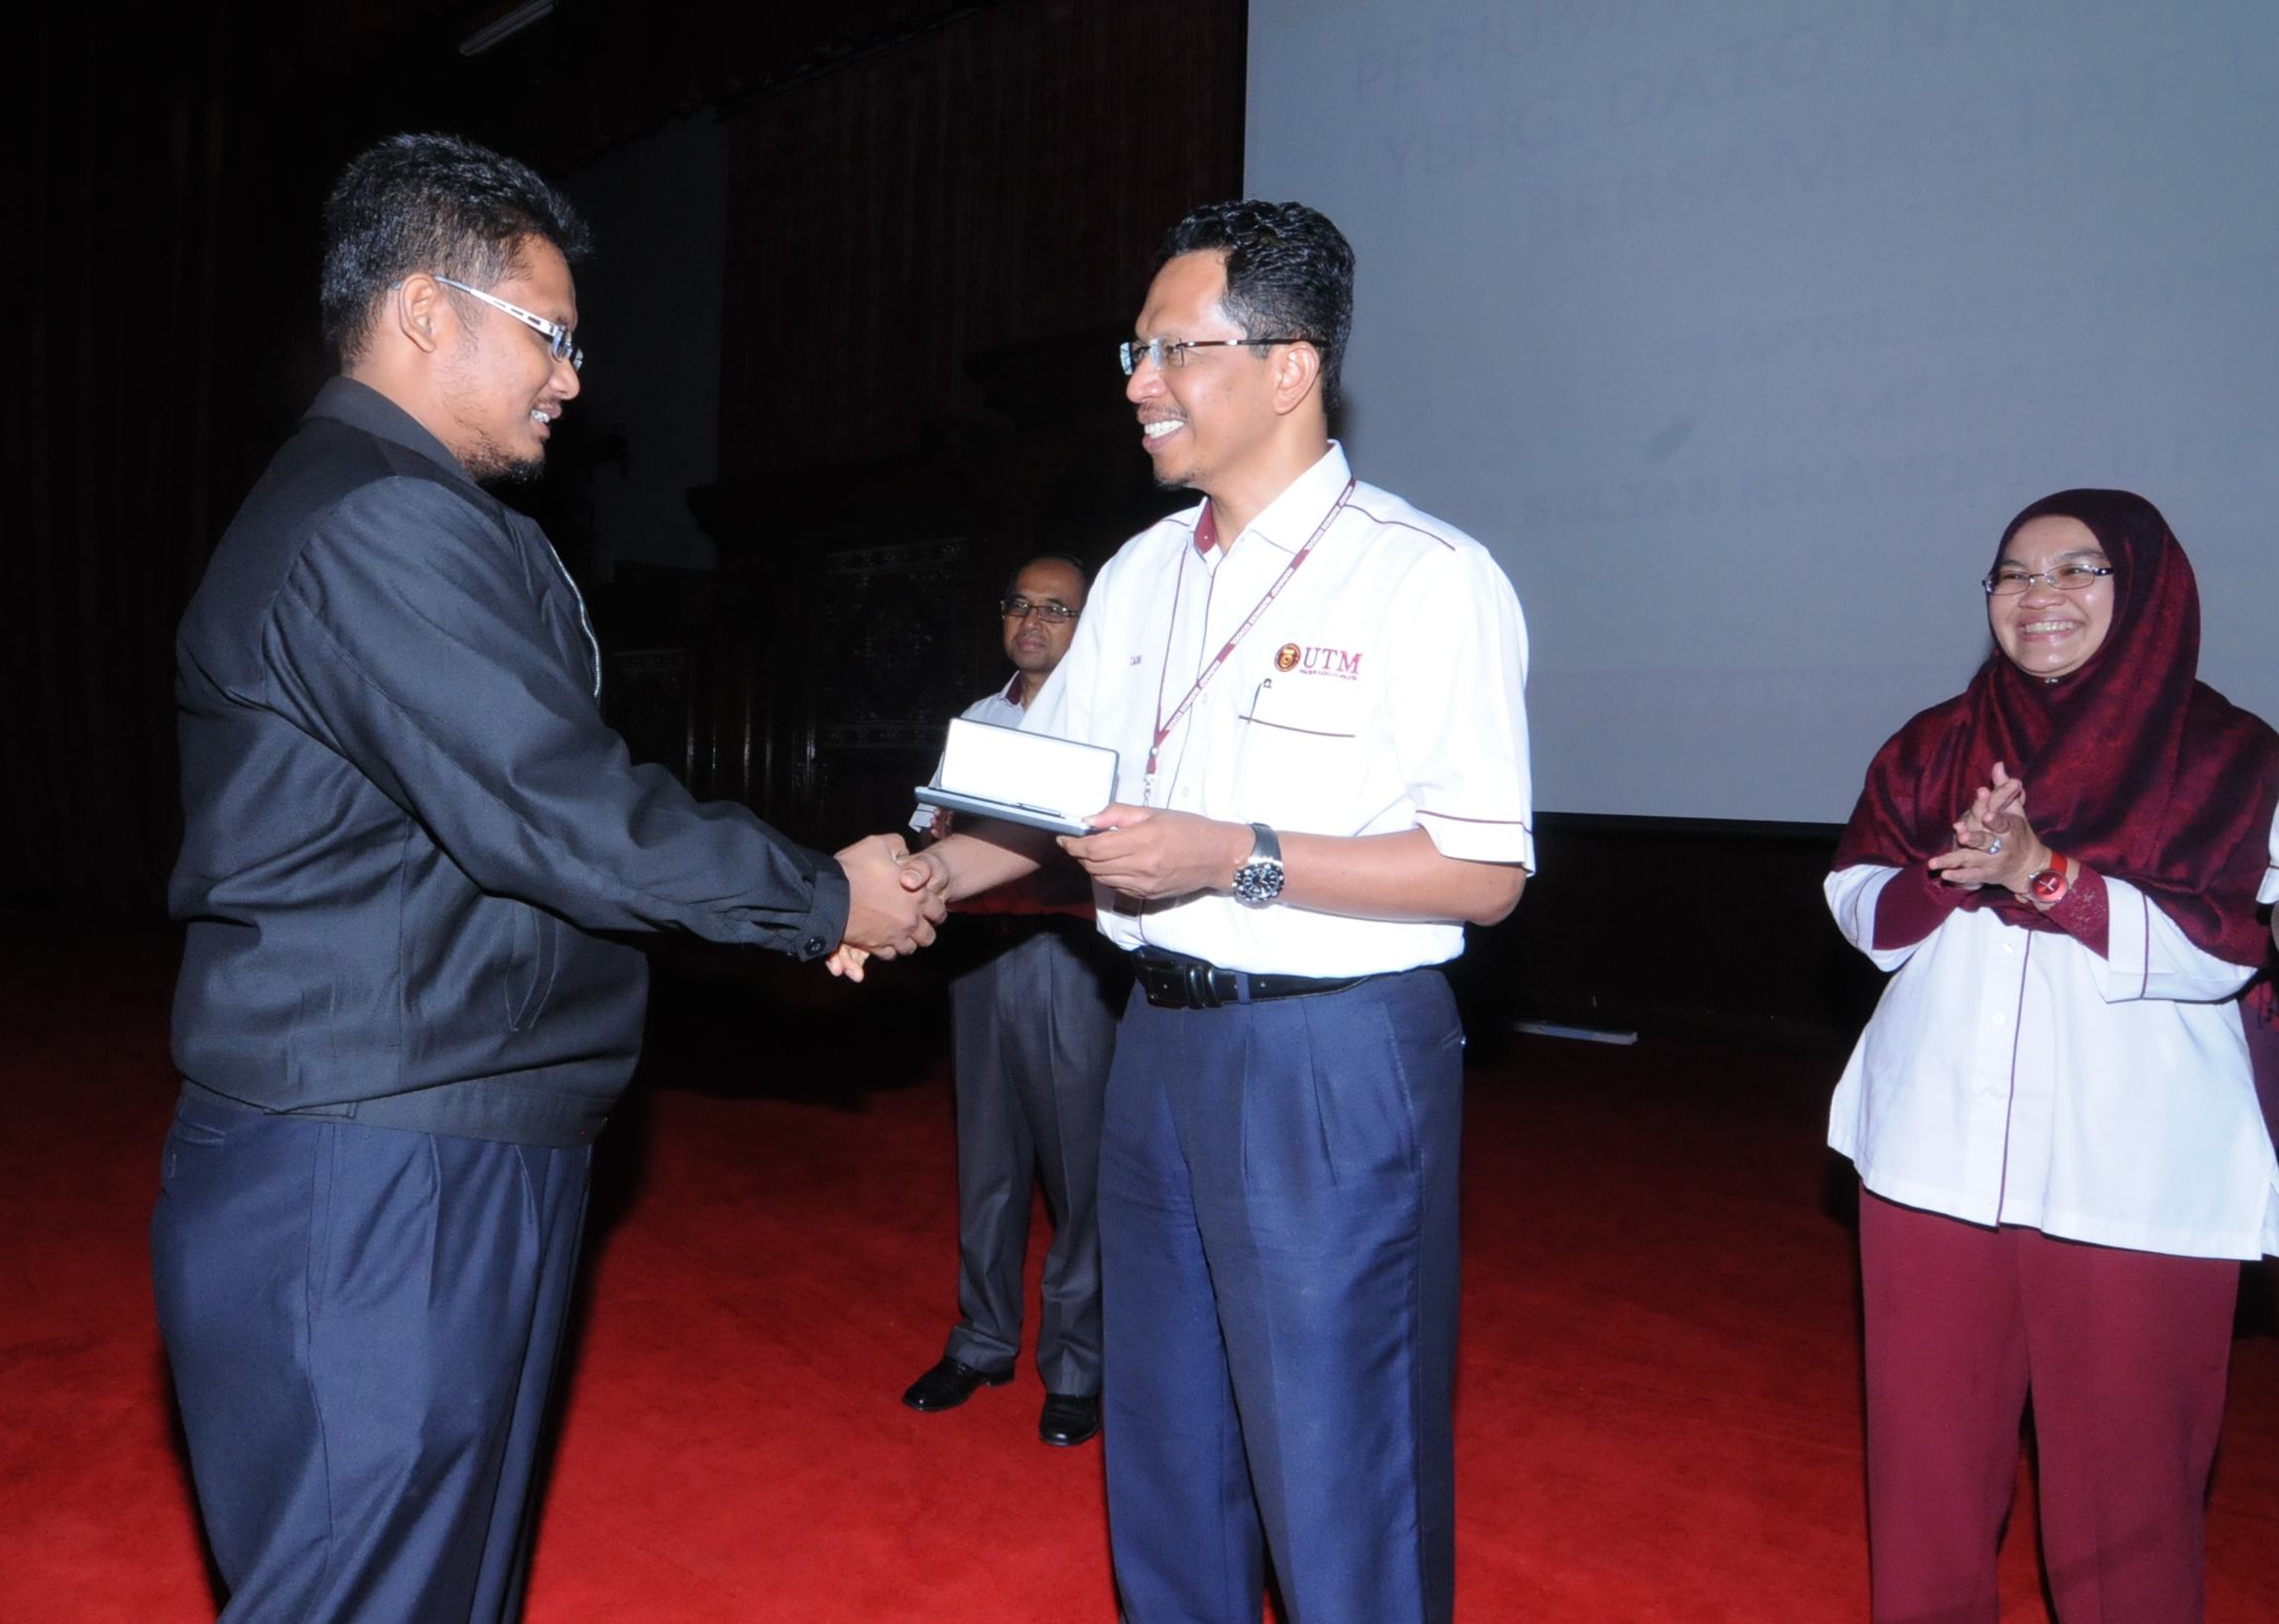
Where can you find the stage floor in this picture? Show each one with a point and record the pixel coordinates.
(1658, 1414)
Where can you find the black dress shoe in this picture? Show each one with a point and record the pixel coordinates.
(1070, 1417)
(950, 1383)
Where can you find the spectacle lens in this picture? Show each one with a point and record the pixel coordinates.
(1155, 350)
(1020, 609)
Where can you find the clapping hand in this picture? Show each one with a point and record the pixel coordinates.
(892, 907)
(1993, 842)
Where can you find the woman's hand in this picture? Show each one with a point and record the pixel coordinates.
(1993, 842)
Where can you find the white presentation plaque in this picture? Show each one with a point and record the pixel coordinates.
(1023, 777)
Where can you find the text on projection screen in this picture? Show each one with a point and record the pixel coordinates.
(1738, 330)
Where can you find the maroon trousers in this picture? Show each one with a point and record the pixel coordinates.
(2125, 1355)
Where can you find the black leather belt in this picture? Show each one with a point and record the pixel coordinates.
(1174, 983)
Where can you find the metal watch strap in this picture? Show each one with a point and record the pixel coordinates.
(1267, 847)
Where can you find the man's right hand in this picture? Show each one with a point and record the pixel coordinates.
(887, 914)
(956, 868)
(929, 880)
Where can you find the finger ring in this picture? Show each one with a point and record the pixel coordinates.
(1995, 849)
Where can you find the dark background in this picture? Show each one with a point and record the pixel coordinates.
(851, 327)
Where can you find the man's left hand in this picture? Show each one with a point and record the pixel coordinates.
(1151, 854)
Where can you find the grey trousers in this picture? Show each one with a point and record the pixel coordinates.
(1034, 1032)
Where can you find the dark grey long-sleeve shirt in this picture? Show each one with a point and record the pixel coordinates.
(406, 818)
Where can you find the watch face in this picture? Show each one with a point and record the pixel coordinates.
(1257, 882)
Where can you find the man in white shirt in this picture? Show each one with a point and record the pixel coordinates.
(1034, 1030)
(1316, 694)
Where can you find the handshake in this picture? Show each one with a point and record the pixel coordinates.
(895, 899)
(897, 896)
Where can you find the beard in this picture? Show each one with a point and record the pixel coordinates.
(1173, 478)
(527, 471)
(491, 463)
(489, 456)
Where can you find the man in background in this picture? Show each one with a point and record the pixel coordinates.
(1315, 691)
(1035, 1030)
(396, 1023)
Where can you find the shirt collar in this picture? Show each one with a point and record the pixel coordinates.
(360, 406)
(1012, 690)
(1292, 515)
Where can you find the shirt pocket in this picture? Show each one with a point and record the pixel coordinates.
(1301, 751)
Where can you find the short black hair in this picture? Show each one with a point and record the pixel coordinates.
(1083, 570)
(438, 204)
(1289, 274)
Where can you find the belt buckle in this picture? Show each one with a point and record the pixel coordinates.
(1165, 985)
(1180, 984)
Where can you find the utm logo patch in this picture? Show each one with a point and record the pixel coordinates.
(1329, 662)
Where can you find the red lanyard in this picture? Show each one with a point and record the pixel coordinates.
(1164, 725)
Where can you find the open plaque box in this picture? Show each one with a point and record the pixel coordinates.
(1023, 777)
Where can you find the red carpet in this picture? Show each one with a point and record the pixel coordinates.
(1659, 1403)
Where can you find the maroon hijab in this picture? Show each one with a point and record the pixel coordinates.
(2132, 766)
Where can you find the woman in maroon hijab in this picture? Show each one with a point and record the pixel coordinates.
(2053, 1112)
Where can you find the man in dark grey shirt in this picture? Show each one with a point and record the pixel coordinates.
(398, 1024)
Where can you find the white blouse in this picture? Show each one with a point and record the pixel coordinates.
(2013, 1076)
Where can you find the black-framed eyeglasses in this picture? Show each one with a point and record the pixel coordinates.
(557, 336)
(1173, 352)
(2010, 582)
(1020, 609)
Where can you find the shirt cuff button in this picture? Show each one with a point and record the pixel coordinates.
(815, 946)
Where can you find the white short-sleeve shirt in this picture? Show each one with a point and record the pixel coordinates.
(1381, 690)
(2014, 1076)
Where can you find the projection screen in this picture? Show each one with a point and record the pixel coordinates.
(1738, 328)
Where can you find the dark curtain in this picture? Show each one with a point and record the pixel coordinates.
(129, 420)
(1004, 181)
(917, 180)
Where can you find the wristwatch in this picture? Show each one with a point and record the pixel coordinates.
(1260, 879)
(2049, 885)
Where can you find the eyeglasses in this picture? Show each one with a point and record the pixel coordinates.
(1020, 609)
(2010, 581)
(556, 335)
(1173, 352)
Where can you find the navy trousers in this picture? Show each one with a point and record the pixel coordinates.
(1034, 1032)
(362, 1324)
(1279, 1228)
